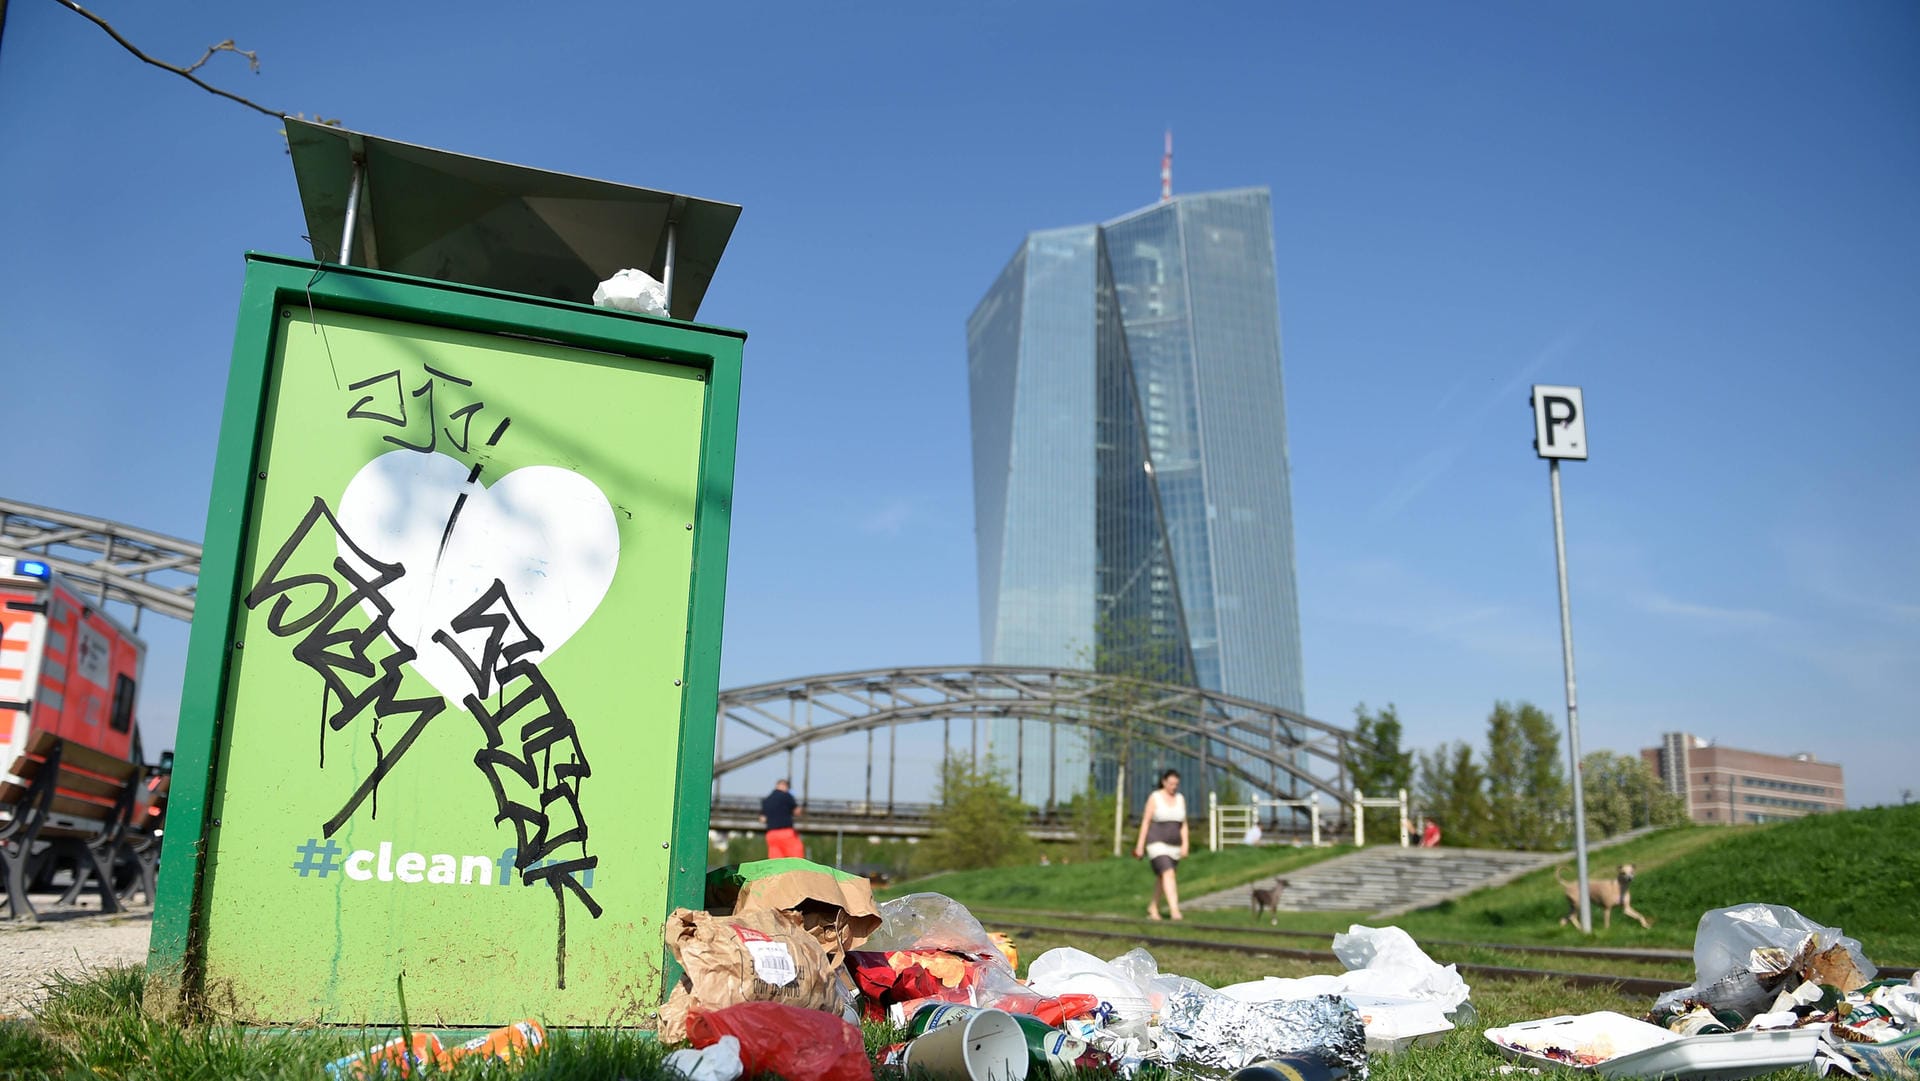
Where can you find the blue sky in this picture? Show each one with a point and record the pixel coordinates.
(1704, 214)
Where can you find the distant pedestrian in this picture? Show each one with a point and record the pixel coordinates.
(776, 813)
(1430, 834)
(1163, 840)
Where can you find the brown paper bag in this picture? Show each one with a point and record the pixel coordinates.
(751, 957)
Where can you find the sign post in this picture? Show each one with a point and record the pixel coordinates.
(1560, 431)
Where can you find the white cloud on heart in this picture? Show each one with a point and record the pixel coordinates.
(546, 533)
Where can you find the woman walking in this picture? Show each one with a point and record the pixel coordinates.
(1163, 840)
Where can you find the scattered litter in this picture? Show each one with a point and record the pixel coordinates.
(632, 291)
(929, 921)
(1743, 955)
(506, 1043)
(1773, 990)
(1290, 1068)
(1213, 1030)
(1048, 1047)
(1586, 1040)
(1402, 995)
(986, 1045)
(397, 1056)
(788, 1041)
(718, 1061)
(835, 907)
(766, 956)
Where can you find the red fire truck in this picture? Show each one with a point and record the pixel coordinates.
(67, 668)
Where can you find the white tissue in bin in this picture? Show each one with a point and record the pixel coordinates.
(632, 291)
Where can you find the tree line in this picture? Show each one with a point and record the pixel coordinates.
(1515, 794)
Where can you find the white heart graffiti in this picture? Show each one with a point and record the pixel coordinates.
(547, 534)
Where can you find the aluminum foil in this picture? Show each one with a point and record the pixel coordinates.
(1211, 1029)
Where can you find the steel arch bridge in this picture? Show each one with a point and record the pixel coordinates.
(1264, 748)
(116, 561)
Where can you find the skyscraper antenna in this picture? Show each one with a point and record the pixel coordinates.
(1166, 169)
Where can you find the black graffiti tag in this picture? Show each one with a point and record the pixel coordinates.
(387, 403)
(358, 657)
(341, 623)
(536, 784)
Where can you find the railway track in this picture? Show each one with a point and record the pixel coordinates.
(1598, 953)
(1633, 985)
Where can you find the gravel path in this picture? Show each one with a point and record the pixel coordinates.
(68, 940)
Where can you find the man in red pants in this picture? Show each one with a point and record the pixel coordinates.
(776, 813)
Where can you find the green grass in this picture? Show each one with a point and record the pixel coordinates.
(1115, 885)
(1856, 870)
(92, 1028)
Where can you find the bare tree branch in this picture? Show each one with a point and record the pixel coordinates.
(185, 73)
(227, 46)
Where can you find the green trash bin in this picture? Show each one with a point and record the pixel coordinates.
(451, 684)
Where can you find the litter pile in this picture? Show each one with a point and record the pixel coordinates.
(790, 955)
(1772, 990)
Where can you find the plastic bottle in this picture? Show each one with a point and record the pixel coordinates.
(389, 1059)
(1295, 1067)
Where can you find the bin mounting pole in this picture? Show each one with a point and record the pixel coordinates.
(354, 184)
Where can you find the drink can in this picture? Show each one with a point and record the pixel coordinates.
(393, 1058)
(507, 1044)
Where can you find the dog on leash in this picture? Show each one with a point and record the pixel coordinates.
(1603, 893)
(1267, 899)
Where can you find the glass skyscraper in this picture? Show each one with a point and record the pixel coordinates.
(1131, 495)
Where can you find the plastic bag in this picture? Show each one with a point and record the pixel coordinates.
(1069, 971)
(632, 291)
(795, 1044)
(1743, 954)
(715, 1062)
(1387, 961)
(930, 921)
(1727, 938)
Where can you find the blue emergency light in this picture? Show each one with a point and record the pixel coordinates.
(31, 568)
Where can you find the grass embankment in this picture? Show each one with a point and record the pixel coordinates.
(1109, 885)
(1856, 870)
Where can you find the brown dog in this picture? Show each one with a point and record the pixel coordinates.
(1603, 894)
(1268, 900)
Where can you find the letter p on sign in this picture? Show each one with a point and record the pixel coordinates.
(1559, 422)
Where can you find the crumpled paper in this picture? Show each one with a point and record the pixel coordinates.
(1213, 1030)
(632, 290)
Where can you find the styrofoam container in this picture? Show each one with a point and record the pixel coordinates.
(1725, 1056)
(1395, 1023)
(1603, 1036)
(1630, 1048)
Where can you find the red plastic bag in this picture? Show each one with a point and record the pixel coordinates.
(793, 1043)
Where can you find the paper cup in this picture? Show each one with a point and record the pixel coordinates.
(988, 1046)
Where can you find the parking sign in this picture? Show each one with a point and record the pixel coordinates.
(1559, 422)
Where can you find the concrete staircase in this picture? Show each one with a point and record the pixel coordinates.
(1386, 880)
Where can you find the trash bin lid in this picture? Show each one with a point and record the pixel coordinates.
(436, 214)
